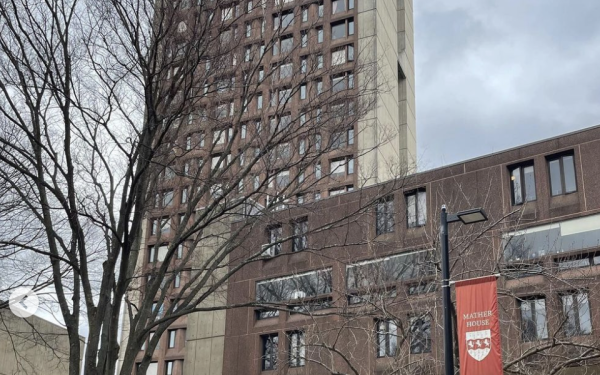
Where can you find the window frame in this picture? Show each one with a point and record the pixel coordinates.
(422, 336)
(560, 158)
(385, 210)
(532, 303)
(300, 230)
(416, 193)
(269, 352)
(297, 349)
(385, 336)
(523, 185)
(576, 312)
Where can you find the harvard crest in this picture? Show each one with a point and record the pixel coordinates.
(479, 344)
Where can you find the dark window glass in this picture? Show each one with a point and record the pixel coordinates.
(576, 309)
(416, 208)
(269, 351)
(523, 184)
(172, 338)
(562, 175)
(387, 338)
(266, 314)
(338, 30)
(384, 216)
(297, 349)
(533, 319)
(306, 285)
(300, 231)
(420, 334)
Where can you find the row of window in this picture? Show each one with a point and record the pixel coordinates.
(386, 334)
(169, 367)
(416, 211)
(561, 171)
(576, 318)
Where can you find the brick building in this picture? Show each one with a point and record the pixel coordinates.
(355, 287)
(336, 75)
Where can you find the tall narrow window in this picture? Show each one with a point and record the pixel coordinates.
(300, 232)
(420, 334)
(269, 351)
(319, 35)
(275, 233)
(169, 367)
(562, 174)
(387, 338)
(522, 182)
(533, 319)
(576, 309)
(416, 208)
(384, 215)
(297, 349)
(172, 338)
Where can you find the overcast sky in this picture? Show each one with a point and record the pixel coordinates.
(495, 74)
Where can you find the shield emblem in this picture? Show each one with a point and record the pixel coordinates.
(479, 344)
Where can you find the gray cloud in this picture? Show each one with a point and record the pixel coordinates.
(497, 74)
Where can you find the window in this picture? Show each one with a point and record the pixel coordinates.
(338, 6)
(320, 10)
(247, 53)
(158, 253)
(318, 170)
(342, 55)
(304, 14)
(416, 208)
(172, 337)
(259, 103)
(319, 35)
(300, 230)
(562, 175)
(420, 334)
(226, 13)
(188, 143)
(341, 167)
(286, 70)
(341, 190)
(303, 64)
(302, 146)
(244, 128)
(179, 254)
(167, 200)
(177, 280)
(303, 91)
(169, 367)
(319, 61)
(283, 20)
(522, 181)
(282, 180)
(342, 82)
(286, 44)
(248, 29)
(387, 338)
(384, 213)
(269, 351)
(297, 349)
(576, 309)
(275, 233)
(304, 39)
(152, 369)
(297, 286)
(533, 319)
(266, 314)
(184, 195)
(342, 29)
(319, 84)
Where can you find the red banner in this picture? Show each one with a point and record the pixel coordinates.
(478, 327)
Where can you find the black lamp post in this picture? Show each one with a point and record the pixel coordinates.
(466, 217)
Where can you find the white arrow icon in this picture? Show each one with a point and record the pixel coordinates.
(23, 302)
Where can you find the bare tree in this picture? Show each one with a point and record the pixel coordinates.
(119, 118)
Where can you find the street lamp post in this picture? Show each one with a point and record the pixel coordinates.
(467, 217)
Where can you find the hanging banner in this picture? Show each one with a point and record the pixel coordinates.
(478, 327)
